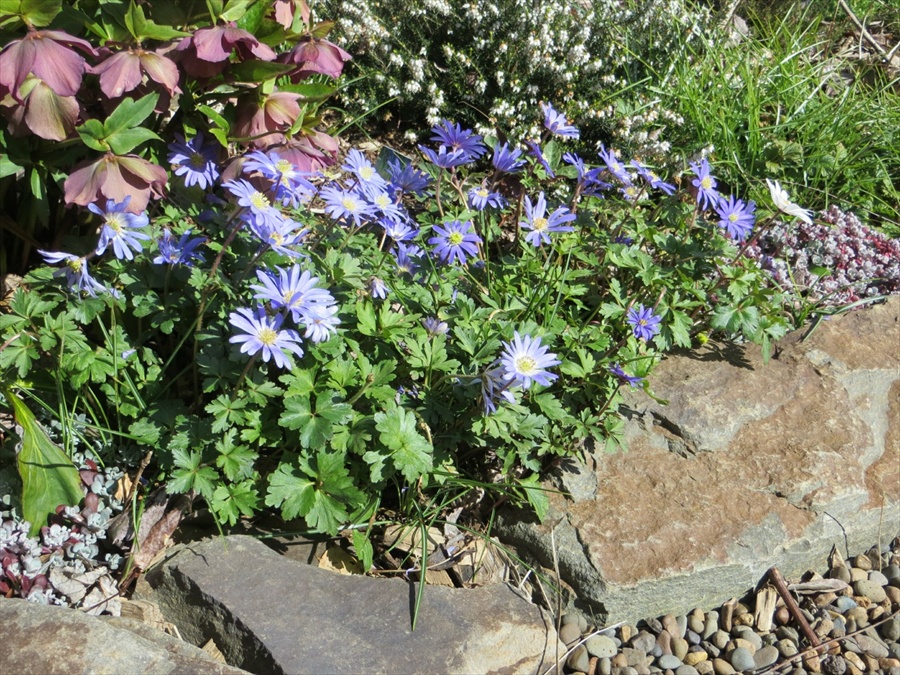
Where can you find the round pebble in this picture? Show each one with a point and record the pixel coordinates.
(668, 661)
(577, 618)
(834, 665)
(722, 667)
(696, 623)
(863, 562)
(890, 630)
(871, 646)
(786, 648)
(747, 634)
(857, 574)
(680, 647)
(841, 573)
(843, 603)
(711, 625)
(742, 659)
(643, 641)
(878, 578)
(579, 659)
(693, 658)
(891, 572)
(601, 646)
(569, 633)
(765, 657)
(720, 638)
(686, 670)
(604, 666)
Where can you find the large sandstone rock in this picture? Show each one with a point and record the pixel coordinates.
(749, 465)
(269, 614)
(42, 640)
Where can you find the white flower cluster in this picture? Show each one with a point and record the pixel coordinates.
(501, 58)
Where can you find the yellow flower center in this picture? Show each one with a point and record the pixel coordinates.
(348, 204)
(259, 201)
(733, 217)
(197, 160)
(284, 166)
(481, 192)
(455, 238)
(382, 200)
(277, 239)
(540, 224)
(706, 183)
(526, 364)
(268, 336)
(366, 172)
(75, 264)
(116, 221)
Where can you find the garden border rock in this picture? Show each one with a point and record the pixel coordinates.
(749, 465)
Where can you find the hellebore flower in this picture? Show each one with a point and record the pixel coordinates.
(261, 332)
(705, 184)
(457, 138)
(736, 217)
(264, 121)
(526, 361)
(540, 225)
(644, 323)
(124, 71)
(310, 152)
(43, 112)
(44, 53)
(506, 160)
(116, 177)
(784, 204)
(196, 162)
(315, 55)
(76, 273)
(120, 228)
(454, 241)
(285, 10)
(181, 252)
(206, 52)
(557, 123)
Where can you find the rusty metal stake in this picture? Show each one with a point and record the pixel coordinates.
(793, 609)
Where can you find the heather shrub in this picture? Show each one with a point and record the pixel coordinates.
(491, 63)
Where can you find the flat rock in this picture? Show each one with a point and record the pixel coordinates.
(275, 615)
(46, 640)
(734, 475)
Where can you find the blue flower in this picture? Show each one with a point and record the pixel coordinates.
(736, 217)
(614, 166)
(624, 377)
(280, 234)
(121, 229)
(454, 241)
(480, 198)
(378, 198)
(506, 160)
(457, 138)
(357, 164)
(259, 209)
(525, 361)
(181, 252)
(435, 326)
(398, 230)
(541, 225)
(260, 332)
(652, 179)
(378, 288)
(76, 272)
(705, 184)
(495, 385)
(557, 123)
(589, 179)
(344, 204)
(292, 187)
(407, 178)
(321, 321)
(293, 290)
(407, 258)
(194, 161)
(644, 323)
(535, 151)
(445, 157)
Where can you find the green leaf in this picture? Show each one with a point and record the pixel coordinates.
(129, 114)
(364, 550)
(215, 9)
(127, 140)
(316, 426)
(8, 167)
(39, 12)
(235, 9)
(229, 502)
(236, 461)
(142, 28)
(191, 475)
(536, 496)
(410, 452)
(259, 71)
(49, 479)
(365, 314)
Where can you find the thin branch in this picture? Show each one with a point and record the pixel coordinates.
(862, 29)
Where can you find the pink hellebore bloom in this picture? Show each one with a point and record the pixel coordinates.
(263, 121)
(309, 153)
(43, 112)
(116, 177)
(124, 71)
(206, 52)
(285, 10)
(315, 55)
(45, 54)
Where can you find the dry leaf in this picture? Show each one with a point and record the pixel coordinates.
(338, 560)
(819, 586)
(211, 649)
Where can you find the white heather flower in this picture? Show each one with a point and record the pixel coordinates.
(784, 204)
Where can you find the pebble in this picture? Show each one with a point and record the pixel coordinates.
(869, 589)
(722, 667)
(834, 665)
(871, 646)
(577, 618)
(742, 659)
(765, 657)
(579, 659)
(863, 562)
(857, 574)
(680, 647)
(850, 657)
(711, 625)
(601, 646)
(890, 630)
(841, 573)
(787, 633)
(693, 658)
(720, 639)
(891, 572)
(604, 666)
(746, 633)
(569, 633)
(668, 661)
(704, 668)
(692, 637)
(786, 648)
(686, 670)
(696, 621)
(643, 641)
(878, 578)
(844, 602)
